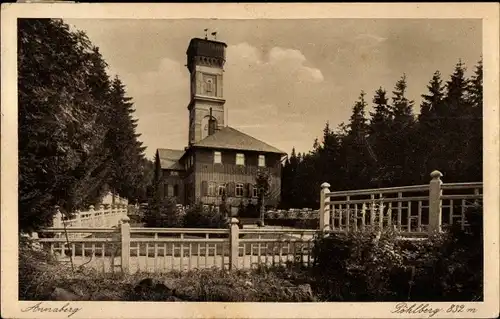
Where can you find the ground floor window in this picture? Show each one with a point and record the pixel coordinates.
(212, 189)
(239, 190)
(255, 192)
(222, 190)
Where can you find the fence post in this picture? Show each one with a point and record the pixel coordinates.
(114, 218)
(324, 210)
(234, 236)
(435, 205)
(57, 219)
(78, 219)
(92, 215)
(125, 243)
(125, 209)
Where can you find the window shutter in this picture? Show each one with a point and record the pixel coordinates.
(231, 189)
(204, 188)
(165, 190)
(250, 190)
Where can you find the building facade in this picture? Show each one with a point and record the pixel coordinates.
(219, 161)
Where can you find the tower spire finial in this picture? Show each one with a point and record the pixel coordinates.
(206, 34)
(214, 34)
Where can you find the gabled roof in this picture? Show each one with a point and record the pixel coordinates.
(230, 138)
(169, 159)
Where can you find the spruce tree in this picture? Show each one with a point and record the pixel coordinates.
(123, 141)
(403, 138)
(475, 142)
(356, 147)
(430, 140)
(432, 102)
(456, 124)
(380, 137)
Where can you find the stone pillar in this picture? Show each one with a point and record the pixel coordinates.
(125, 244)
(435, 204)
(324, 208)
(234, 238)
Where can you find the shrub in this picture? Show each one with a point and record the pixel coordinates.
(163, 213)
(377, 266)
(200, 216)
(250, 210)
(357, 266)
(456, 260)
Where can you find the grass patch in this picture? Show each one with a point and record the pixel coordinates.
(40, 275)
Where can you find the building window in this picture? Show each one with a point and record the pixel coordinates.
(222, 190)
(170, 191)
(217, 158)
(165, 190)
(210, 85)
(255, 192)
(240, 159)
(176, 190)
(212, 189)
(239, 190)
(174, 173)
(262, 161)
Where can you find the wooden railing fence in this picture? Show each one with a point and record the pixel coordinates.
(411, 210)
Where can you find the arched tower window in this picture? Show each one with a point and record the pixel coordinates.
(204, 126)
(209, 84)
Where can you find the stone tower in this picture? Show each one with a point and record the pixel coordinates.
(205, 62)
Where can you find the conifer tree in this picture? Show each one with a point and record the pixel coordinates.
(456, 123)
(475, 141)
(432, 103)
(122, 139)
(380, 137)
(402, 138)
(356, 147)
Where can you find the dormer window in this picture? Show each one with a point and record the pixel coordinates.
(240, 159)
(217, 158)
(262, 161)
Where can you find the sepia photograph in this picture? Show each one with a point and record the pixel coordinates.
(283, 161)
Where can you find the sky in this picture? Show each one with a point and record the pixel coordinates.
(284, 79)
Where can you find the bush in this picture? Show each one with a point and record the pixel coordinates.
(163, 213)
(249, 211)
(376, 266)
(456, 260)
(357, 266)
(200, 216)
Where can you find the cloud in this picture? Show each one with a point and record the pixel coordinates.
(265, 92)
(289, 62)
(169, 75)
